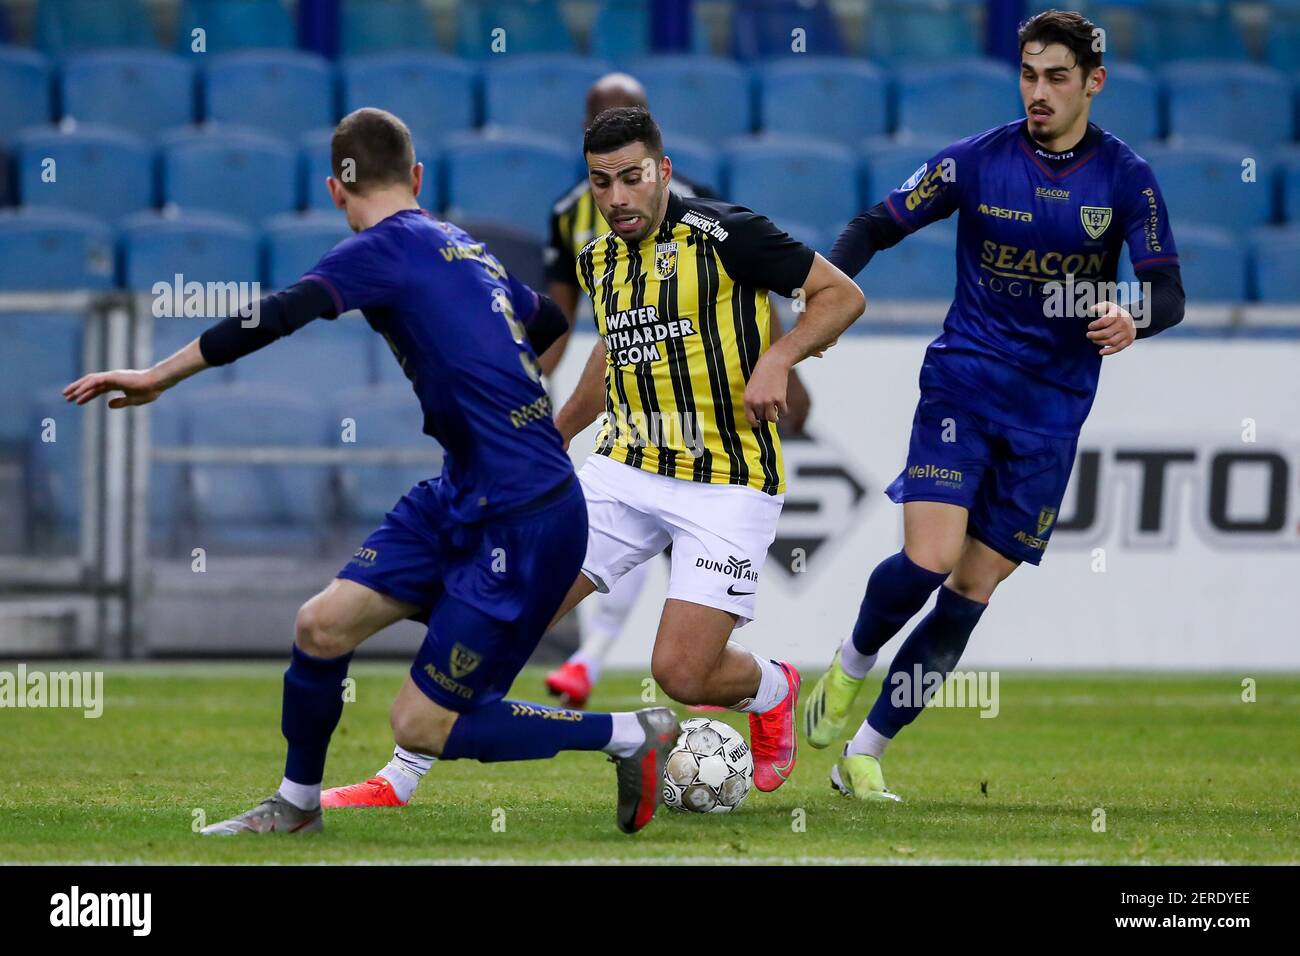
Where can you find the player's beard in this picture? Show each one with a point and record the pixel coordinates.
(650, 218)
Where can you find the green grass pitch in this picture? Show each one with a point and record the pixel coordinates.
(1184, 770)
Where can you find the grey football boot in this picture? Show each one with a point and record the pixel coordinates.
(640, 776)
(273, 815)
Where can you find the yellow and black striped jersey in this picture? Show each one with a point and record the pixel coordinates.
(575, 221)
(684, 315)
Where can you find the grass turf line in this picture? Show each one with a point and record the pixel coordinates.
(1183, 768)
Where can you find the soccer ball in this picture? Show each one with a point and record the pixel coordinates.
(710, 770)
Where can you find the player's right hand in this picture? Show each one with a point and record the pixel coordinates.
(138, 387)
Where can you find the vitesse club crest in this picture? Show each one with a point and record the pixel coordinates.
(463, 660)
(1047, 515)
(665, 260)
(1095, 219)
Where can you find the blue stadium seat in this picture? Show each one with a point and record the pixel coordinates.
(316, 361)
(841, 100)
(235, 25)
(283, 92)
(378, 26)
(433, 94)
(696, 160)
(54, 250)
(1202, 186)
(700, 96)
(235, 172)
(24, 90)
(42, 352)
(538, 169)
(66, 26)
(889, 161)
(1237, 102)
(143, 91)
(1275, 253)
(386, 416)
(1212, 262)
(922, 266)
(957, 99)
(544, 94)
(1282, 44)
(200, 246)
(524, 26)
(97, 171)
(764, 29)
(55, 475)
(314, 161)
(1188, 30)
(802, 180)
(903, 31)
(265, 508)
(620, 30)
(1129, 106)
(1289, 182)
(295, 243)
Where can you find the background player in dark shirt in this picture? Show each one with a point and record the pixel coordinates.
(1046, 204)
(485, 552)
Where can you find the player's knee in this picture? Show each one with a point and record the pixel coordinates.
(973, 587)
(939, 557)
(686, 685)
(317, 634)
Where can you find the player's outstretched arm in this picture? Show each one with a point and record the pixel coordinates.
(587, 400)
(138, 386)
(832, 302)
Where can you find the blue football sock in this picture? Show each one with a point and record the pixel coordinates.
(896, 590)
(313, 703)
(513, 730)
(936, 645)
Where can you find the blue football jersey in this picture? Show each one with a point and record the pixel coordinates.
(453, 318)
(1028, 219)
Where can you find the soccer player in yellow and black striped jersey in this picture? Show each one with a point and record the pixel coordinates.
(689, 454)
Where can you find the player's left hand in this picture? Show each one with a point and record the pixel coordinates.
(765, 394)
(1113, 328)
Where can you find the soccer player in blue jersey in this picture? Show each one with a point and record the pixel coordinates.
(1044, 205)
(485, 552)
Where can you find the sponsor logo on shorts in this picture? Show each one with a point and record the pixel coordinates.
(463, 660)
(739, 568)
(446, 683)
(949, 477)
(1030, 541)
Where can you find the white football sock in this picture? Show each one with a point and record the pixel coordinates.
(404, 771)
(772, 688)
(627, 736)
(853, 662)
(867, 741)
(304, 796)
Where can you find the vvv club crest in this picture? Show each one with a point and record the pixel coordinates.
(1095, 219)
(1047, 516)
(463, 660)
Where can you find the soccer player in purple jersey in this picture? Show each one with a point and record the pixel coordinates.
(484, 553)
(1044, 205)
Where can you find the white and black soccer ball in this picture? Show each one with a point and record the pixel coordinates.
(710, 770)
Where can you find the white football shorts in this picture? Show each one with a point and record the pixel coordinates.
(720, 533)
